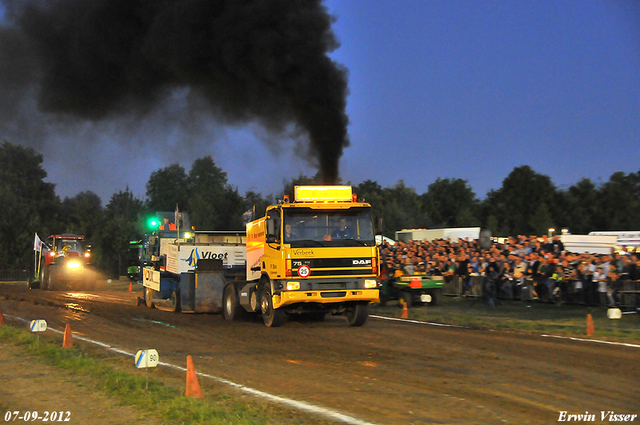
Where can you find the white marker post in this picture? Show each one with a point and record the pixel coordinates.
(36, 326)
(146, 359)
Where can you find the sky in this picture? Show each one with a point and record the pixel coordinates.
(437, 89)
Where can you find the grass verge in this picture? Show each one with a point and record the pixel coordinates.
(163, 401)
(565, 320)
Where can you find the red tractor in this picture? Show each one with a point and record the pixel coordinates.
(66, 264)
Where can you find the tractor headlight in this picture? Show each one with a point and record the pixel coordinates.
(293, 286)
(370, 283)
(73, 264)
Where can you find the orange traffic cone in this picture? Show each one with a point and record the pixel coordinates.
(591, 329)
(405, 311)
(130, 287)
(1, 317)
(193, 387)
(66, 341)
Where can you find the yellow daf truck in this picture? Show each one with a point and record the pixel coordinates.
(313, 256)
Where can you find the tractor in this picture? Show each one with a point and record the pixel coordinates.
(65, 263)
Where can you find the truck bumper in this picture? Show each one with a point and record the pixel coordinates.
(325, 297)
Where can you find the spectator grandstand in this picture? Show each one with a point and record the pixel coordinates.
(523, 268)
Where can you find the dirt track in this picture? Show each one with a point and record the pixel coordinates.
(385, 372)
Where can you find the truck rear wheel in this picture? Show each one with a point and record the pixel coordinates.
(174, 302)
(231, 307)
(270, 316)
(358, 314)
(148, 297)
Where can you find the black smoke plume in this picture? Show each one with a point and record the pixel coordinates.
(243, 60)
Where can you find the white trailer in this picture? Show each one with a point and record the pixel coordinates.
(452, 233)
(625, 238)
(593, 244)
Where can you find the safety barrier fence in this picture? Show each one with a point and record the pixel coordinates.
(630, 293)
(14, 275)
(627, 292)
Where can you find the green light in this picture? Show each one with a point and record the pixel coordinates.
(152, 223)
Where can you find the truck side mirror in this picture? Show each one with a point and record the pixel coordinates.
(273, 227)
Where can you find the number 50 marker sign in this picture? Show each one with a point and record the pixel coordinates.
(147, 358)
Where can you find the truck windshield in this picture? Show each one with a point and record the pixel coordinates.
(310, 227)
(69, 245)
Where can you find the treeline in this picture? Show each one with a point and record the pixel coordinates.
(30, 205)
(527, 203)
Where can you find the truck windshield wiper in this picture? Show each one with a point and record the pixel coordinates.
(357, 241)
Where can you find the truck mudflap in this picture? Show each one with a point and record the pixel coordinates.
(201, 292)
(287, 298)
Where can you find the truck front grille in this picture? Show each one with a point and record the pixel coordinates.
(333, 294)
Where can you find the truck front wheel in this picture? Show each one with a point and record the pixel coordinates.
(270, 316)
(43, 277)
(358, 314)
(49, 279)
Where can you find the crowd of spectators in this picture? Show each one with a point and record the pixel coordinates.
(521, 268)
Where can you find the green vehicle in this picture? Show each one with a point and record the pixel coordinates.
(133, 260)
(413, 290)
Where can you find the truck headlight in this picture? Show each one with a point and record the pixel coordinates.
(293, 286)
(370, 283)
(73, 264)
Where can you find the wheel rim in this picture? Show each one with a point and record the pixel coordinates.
(266, 305)
(229, 305)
